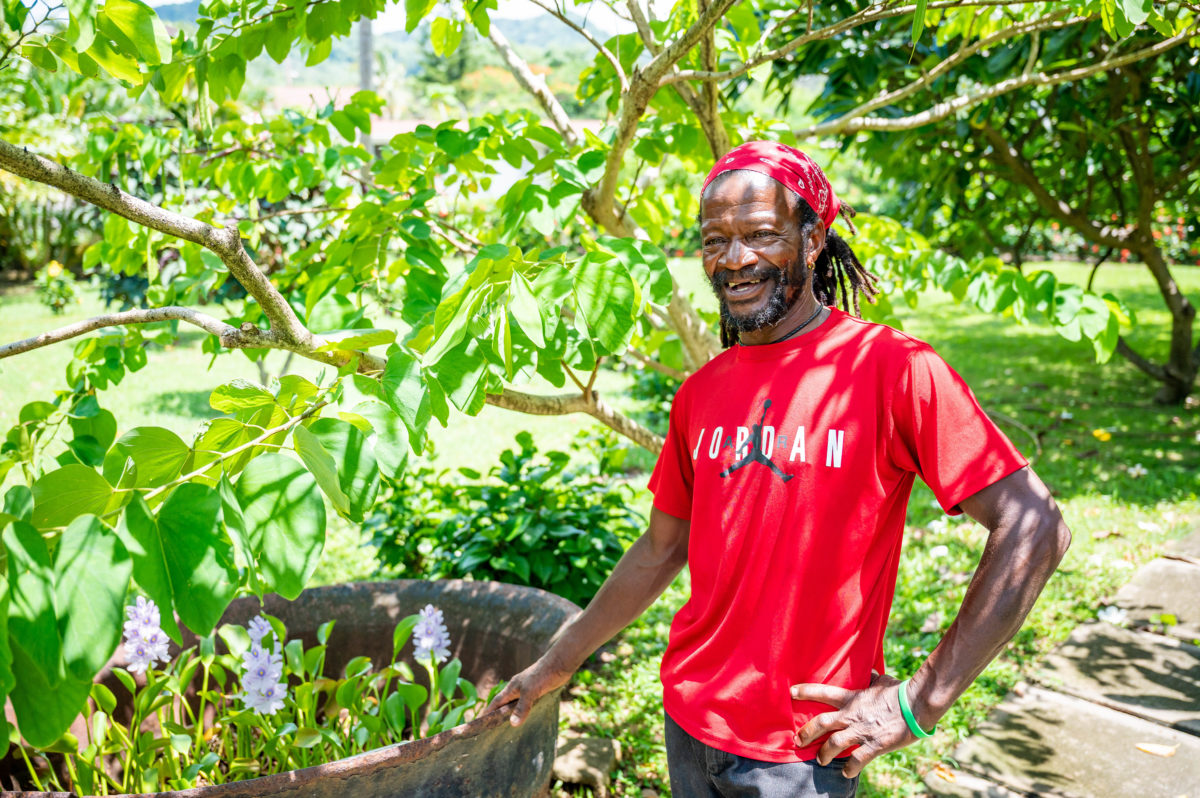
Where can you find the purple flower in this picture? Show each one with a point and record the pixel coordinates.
(258, 628)
(262, 671)
(145, 643)
(430, 636)
(266, 699)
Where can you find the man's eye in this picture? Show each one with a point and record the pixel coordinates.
(764, 233)
(713, 242)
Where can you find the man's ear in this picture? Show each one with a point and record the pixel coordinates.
(814, 243)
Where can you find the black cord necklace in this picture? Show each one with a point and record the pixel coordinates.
(796, 331)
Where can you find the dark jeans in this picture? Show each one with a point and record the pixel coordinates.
(700, 771)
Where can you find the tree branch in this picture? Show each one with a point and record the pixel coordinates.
(710, 120)
(225, 243)
(227, 333)
(604, 51)
(651, 363)
(535, 85)
(1022, 172)
(1153, 369)
(598, 200)
(593, 406)
(939, 111)
(1053, 22)
(247, 336)
(871, 13)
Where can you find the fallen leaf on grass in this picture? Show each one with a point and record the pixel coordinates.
(944, 772)
(1157, 749)
(1106, 533)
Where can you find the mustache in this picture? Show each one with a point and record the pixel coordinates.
(723, 277)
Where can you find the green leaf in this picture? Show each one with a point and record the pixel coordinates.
(102, 426)
(355, 339)
(62, 496)
(1106, 342)
(524, 308)
(646, 263)
(138, 22)
(44, 710)
(1137, 11)
(7, 680)
(448, 678)
(393, 712)
(445, 36)
(121, 67)
(87, 450)
(32, 614)
(389, 437)
(284, 520)
(306, 737)
(321, 464)
(91, 574)
(199, 557)
(158, 454)
(240, 397)
(18, 502)
(401, 634)
(319, 52)
(918, 24)
(139, 532)
(414, 695)
(415, 11)
(358, 472)
(605, 293)
(406, 393)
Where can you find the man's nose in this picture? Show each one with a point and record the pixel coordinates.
(739, 256)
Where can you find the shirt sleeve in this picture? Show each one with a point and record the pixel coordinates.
(671, 482)
(942, 433)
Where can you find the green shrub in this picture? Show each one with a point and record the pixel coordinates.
(535, 520)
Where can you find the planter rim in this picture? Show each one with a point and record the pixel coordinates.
(394, 754)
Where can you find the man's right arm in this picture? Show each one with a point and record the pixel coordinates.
(640, 577)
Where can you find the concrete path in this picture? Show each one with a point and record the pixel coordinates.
(1114, 712)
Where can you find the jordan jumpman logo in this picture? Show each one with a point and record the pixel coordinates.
(755, 455)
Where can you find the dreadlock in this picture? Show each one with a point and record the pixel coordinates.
(836, 267)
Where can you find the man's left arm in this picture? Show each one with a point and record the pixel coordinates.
(1027, 539)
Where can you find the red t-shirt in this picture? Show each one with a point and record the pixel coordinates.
(795, 542)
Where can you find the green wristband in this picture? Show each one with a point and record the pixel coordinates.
(907, 712)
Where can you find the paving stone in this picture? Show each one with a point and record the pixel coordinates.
(1146, 675)
(958, 784)
(1165, 586)
(587, 761)
(1045, 743)
(1187, 548)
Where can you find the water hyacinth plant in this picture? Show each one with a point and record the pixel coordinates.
(263, 705)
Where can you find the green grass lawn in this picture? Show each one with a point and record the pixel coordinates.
(1091, 423)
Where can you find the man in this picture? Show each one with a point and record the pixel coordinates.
(773, 678)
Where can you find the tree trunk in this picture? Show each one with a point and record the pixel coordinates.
(1178, 375)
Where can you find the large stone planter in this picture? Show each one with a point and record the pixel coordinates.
(496, 630)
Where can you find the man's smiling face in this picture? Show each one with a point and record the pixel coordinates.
(753, 248)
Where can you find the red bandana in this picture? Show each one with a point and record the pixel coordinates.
(787, 165)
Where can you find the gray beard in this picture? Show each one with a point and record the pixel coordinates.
(770, 314)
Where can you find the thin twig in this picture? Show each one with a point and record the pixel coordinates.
(289, 212)
(582, 388)
(604, 51)
(649, 362)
